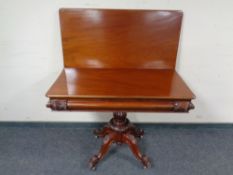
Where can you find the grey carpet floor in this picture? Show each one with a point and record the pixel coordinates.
(66, 151)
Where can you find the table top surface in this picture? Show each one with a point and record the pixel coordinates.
(120, 83)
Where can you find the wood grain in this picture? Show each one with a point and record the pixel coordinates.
(93, 38)
(123, 83)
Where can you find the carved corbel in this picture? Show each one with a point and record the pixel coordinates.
(57, 105)
(183, 106)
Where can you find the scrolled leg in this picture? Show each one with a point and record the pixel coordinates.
(108, 140)
(132, 143)
(119, 130)
(101, 132)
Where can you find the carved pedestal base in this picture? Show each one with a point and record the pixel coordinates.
(119, 130)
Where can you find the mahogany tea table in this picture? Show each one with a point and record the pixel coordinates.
(120, 61)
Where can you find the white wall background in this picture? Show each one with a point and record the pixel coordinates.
(31, 58)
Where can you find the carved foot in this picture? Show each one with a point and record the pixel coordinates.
(146, 162)
(93, 162)
(132, 143)
(108, 140)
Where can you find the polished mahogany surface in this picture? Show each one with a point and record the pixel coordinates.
(118, 60)
(123, 83)
(94, 38)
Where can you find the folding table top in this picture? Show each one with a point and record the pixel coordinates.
(124, 83)
(94, 38)
(125, 56)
